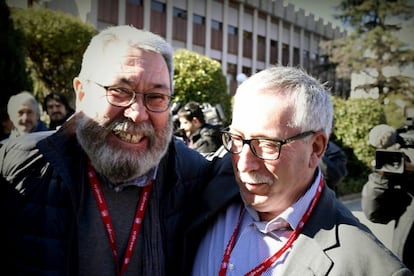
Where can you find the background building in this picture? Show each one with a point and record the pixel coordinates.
(245, 36)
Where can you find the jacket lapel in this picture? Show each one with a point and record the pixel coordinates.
(307, 258)
(308, 255)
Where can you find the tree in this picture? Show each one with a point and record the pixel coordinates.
(374, 47)
(13, 75)
(199, 78)
(54, 43)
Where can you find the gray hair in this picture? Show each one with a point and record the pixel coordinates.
(309, 99)
(23, 97)
(126, 35)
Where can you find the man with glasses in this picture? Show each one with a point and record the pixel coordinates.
(108, 192)
(286, 221)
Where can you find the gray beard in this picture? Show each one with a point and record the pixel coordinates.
(116, 163)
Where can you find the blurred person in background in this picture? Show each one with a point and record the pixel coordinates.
(333, 163)
(24, 112)
(197, 134)
(57, 108)
(333, 166)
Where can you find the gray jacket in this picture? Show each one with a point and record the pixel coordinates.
(334, 242)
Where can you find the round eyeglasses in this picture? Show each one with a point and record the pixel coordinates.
(264, 148)
(124, 97)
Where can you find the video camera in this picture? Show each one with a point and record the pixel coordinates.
(393, 160)
(389, 161)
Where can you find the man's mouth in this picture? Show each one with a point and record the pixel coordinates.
(127, 137)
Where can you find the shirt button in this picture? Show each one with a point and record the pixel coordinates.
(231, 266)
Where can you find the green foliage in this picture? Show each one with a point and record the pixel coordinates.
(199, 78)
(13, 76)
(54, 43)
(354, 118)
(394, 109)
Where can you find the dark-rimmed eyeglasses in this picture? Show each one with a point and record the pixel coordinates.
(264, 148)
(124, 97)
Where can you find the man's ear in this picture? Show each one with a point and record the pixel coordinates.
(78, 88)
(319, 143)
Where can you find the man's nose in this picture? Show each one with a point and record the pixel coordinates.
(136, 111)
(247, 160)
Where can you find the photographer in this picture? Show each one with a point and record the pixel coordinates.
(388, 193)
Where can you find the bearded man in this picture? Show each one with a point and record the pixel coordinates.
(108, 192)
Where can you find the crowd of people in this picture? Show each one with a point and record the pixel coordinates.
(112, 190)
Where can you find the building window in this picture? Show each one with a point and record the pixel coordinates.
(216, 25)
(273, 52)
(179, 13)
(157, 6)
(199, 30)
(296, 56)
(285, 54)
(232, 33)
(199, 20)
(158, 18)
(232, 30)
(248, 9)
(216, 35)
(261, 48)
(306, 60)
(134, 14)
(247, 44)
(108, 11)
(179, 24)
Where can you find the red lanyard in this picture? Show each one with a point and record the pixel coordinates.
(106, 219)
(261, 268)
